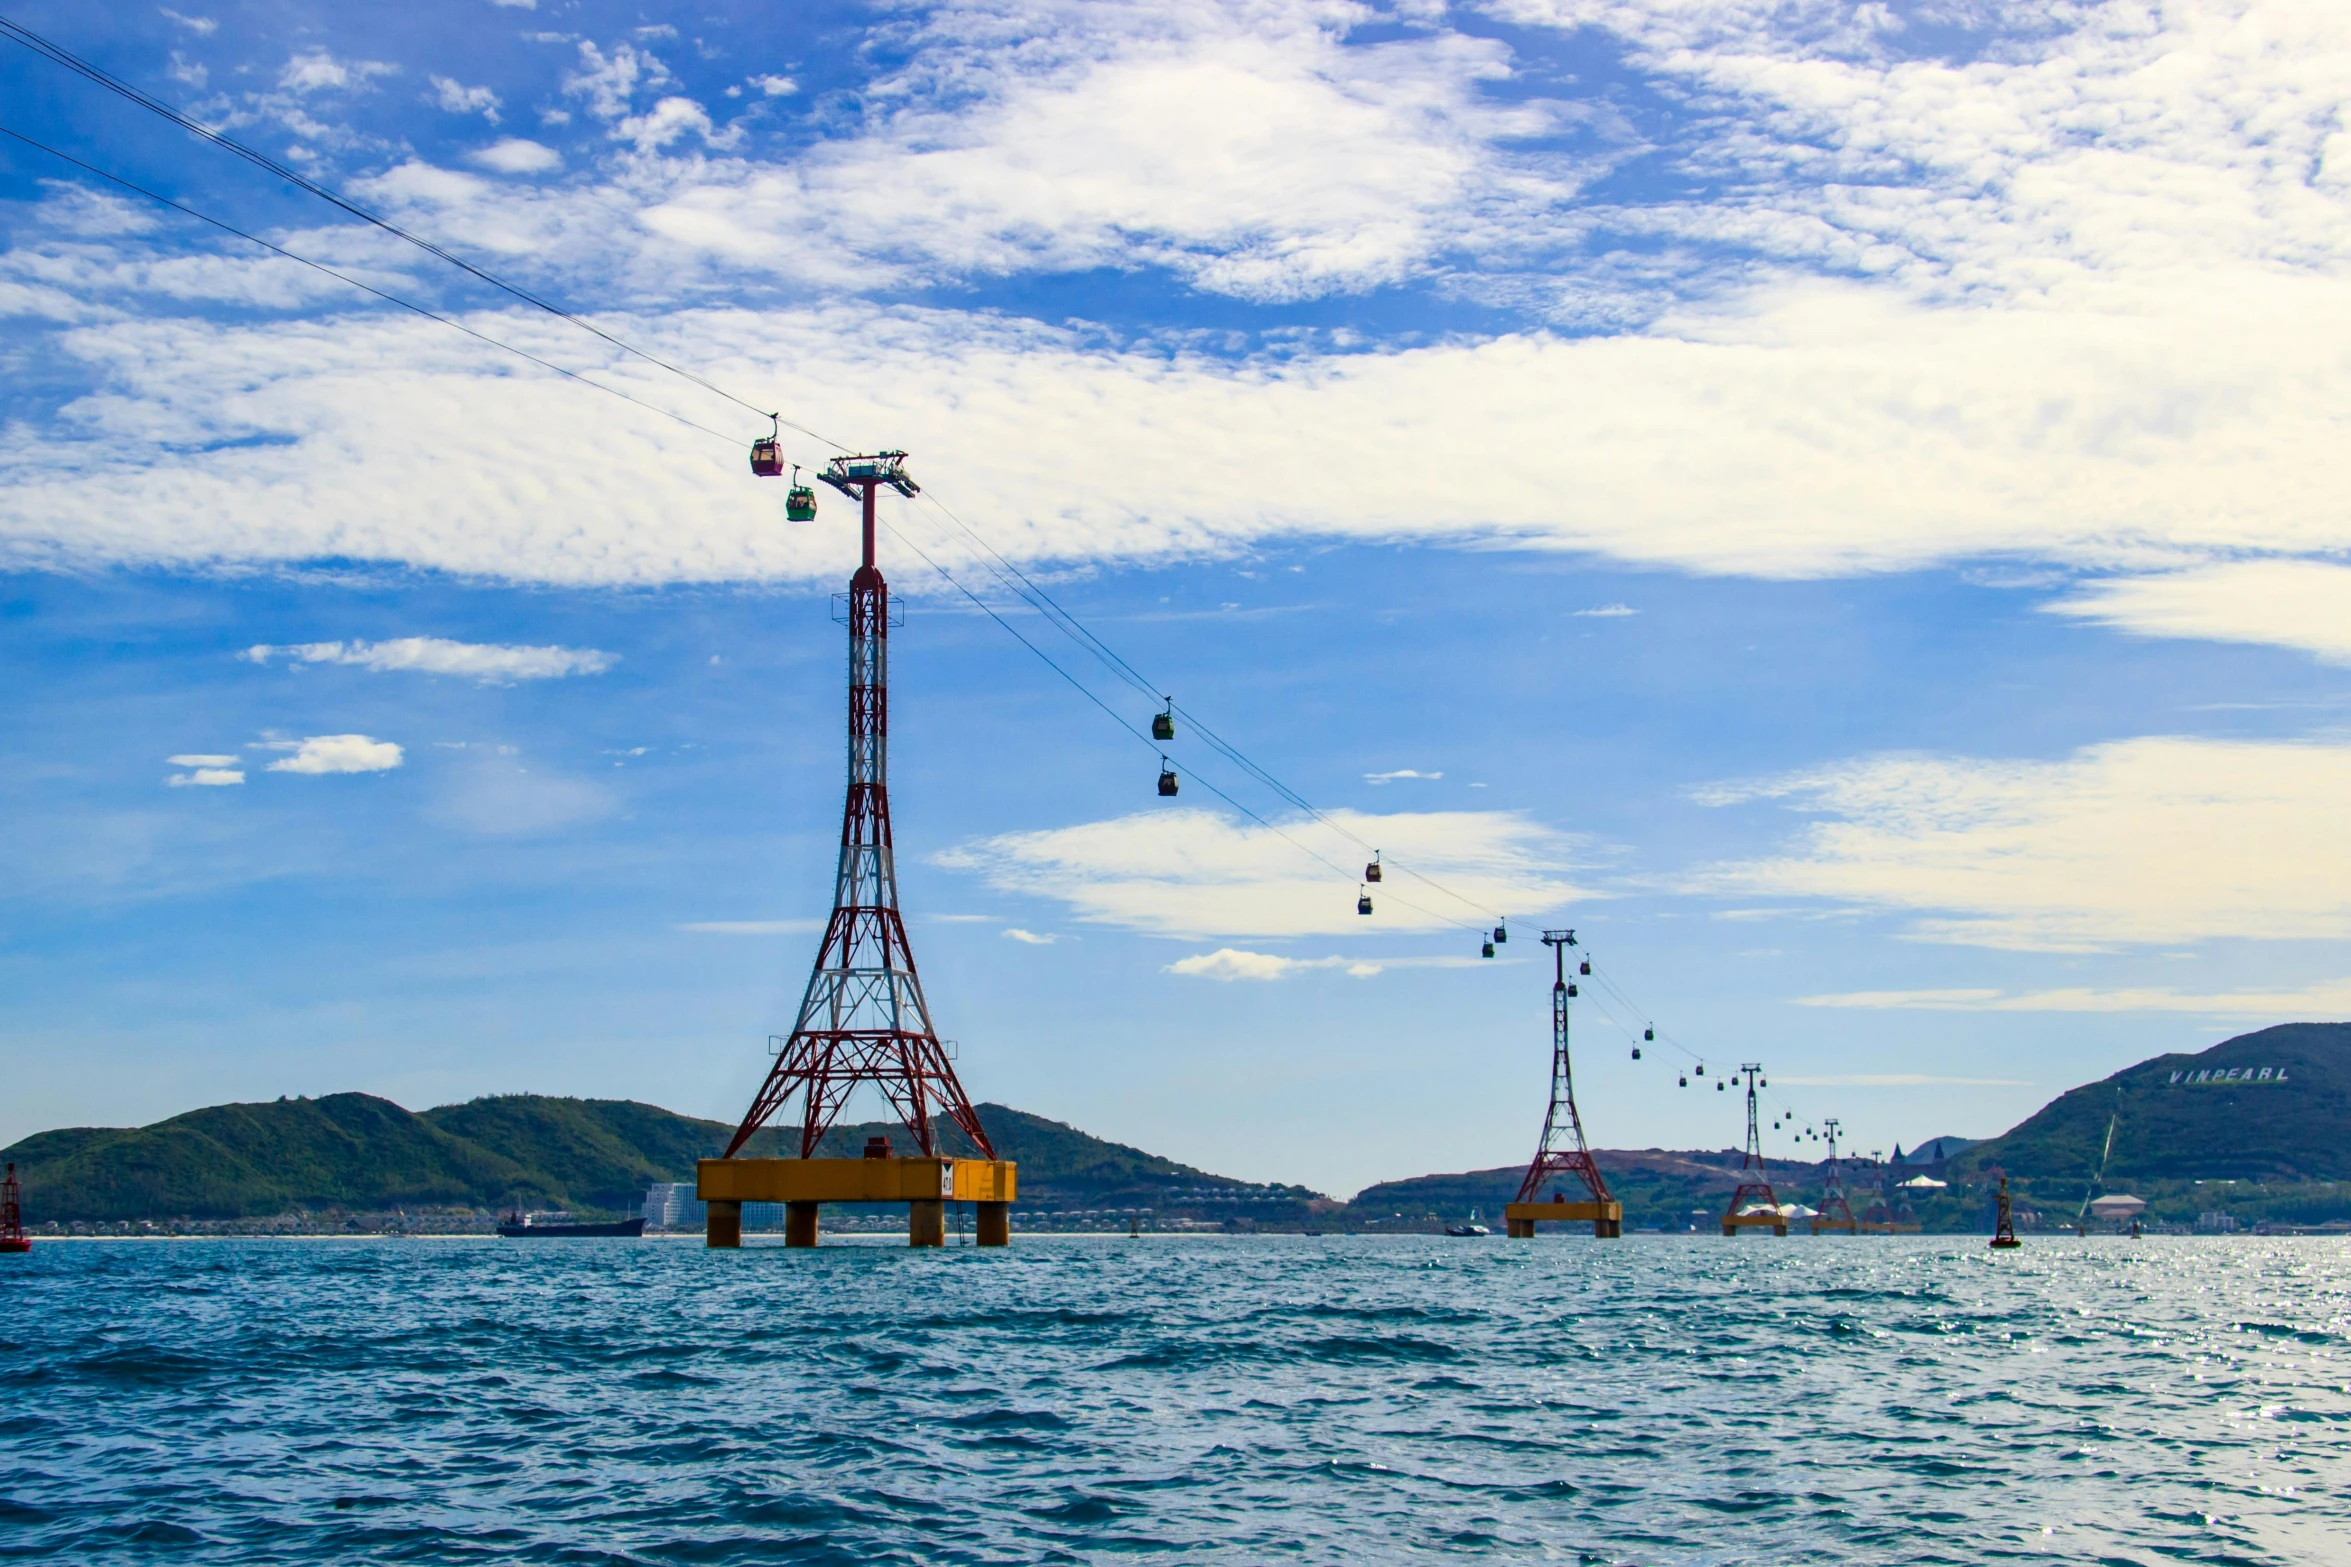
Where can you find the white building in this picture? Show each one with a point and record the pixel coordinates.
(670, 1205)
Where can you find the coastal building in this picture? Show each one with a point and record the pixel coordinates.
(671, 1205)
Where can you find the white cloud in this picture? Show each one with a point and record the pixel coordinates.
(458, 98)
(517, 5)
(1401, 772)
(776, 86)
(517, 155)
(670, 119)
(195, 760)
(2328, 999)
(1252, 150)
(609, 82)
(1029, 937)
(490, 663)
(2146, 841)
(314, 69)
(2081, 295)
(340, 754)
(1192, 873)
(201, 26)
(192, 72)
(1232, 963)
(2284, 603)
(1604, 612)
(756, 927)
(206, 777)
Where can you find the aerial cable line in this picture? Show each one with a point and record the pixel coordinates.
(368, 288)
(58, 55)
(1116, 717)
(1077, 631)
(1066, 622)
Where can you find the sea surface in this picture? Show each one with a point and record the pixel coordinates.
(1225, 1400)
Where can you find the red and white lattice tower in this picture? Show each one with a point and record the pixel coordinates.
(863, 1018)
(1563, 1154)
(1754, 1204)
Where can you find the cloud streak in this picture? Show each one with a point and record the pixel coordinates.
(2137, 842)
(1196, 873)
(489, 663)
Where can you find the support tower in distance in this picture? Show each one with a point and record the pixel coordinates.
(863, 1018)
(1835, 1212)
(1563, 1152)
(1754, 1205)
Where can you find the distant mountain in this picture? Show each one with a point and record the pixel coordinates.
(356, 1152)
(2274, 1104)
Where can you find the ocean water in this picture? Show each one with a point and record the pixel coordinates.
(1243, 1400)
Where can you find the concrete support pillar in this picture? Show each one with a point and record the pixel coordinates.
(926, 1222)
(1521, 1229)
(799, 1224)
(724, 1228)
(1608, 1229)
(995, 1223)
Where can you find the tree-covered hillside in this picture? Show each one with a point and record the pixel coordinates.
(2274, 1104)
(358, 1152)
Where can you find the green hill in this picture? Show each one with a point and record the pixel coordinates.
(2270, 1105)
(355, 1152)
(244, 1160)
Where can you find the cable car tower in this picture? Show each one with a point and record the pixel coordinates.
(1563, 1151)
(1754, 1204)
(863, 1018)
(1835, 1212)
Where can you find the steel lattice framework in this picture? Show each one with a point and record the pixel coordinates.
(1834, 1209)
(1563, 1126)
(1754, 1178)
(863, 1018)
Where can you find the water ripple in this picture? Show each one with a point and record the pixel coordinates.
(1198, 1400)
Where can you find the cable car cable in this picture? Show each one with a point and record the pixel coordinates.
(1117, 717)
(58, 55)
(1070, 626)
(367, 288)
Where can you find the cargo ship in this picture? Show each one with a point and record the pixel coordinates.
(555, 1227)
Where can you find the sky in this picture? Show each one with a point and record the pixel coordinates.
(1843, 506)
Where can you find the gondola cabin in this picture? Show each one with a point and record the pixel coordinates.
(767, 457)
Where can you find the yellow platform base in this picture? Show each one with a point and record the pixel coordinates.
(1606, 1218)
(925, 1185)
(1732, 1224)
(1849, 1226)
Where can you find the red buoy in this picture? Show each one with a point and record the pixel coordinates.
(12, 1236)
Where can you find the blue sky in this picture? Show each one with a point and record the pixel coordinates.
(1842, 504)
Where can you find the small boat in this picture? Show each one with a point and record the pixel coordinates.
(555, 1227)
(1467, 1229)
